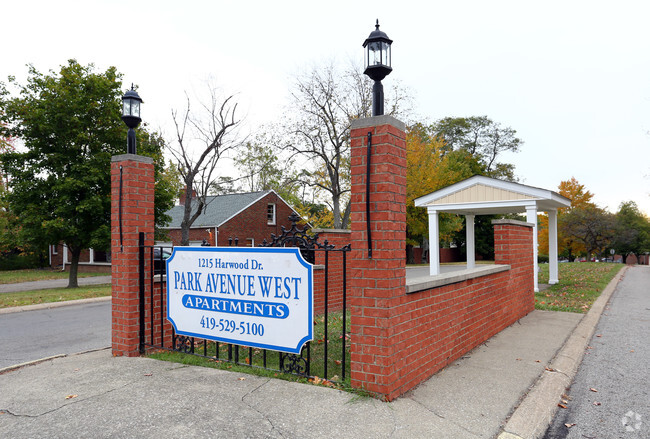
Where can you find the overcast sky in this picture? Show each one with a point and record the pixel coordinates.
(571, 77)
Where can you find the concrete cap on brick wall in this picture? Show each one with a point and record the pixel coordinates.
(377, 121)
(132, 157)
(512, 222)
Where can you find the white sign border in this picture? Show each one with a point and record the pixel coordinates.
(301, 260)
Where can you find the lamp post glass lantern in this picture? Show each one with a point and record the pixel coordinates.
(131, 116)
(377, 62)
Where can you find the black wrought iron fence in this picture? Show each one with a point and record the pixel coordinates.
(327, 356)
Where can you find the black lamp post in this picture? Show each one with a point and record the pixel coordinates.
(377, 64)
(131, 117)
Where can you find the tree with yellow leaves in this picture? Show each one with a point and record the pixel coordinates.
(568, 244)
(430, 167)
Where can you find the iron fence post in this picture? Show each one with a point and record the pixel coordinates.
(141, 285)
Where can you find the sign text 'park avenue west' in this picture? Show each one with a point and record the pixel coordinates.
(259, 297)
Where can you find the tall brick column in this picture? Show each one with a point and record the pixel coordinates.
(136, 174)
(377, 284)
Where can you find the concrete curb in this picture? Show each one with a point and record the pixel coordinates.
(30, 363)
(41, 360)
(536, 411)
(50, 305)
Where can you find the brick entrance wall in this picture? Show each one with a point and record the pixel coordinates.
(377, 285)
(400, 339)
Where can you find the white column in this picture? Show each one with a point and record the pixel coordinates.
(552, 248)
(65, 255)
(434, 244)
(531, 217)
(470, 242)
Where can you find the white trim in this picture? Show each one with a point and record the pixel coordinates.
(434, 244)
(478, 206)
(542, 194)
(470, 247)
(271, 219)
(531, 217)
(553, 277)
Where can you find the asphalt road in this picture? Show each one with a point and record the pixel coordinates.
(610, 395)
(32, 335)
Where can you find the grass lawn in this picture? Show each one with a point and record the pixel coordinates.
(580, 285)
(53, 295)
(16, 276)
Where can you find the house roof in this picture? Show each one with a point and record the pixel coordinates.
(479, 195)
(218, 210)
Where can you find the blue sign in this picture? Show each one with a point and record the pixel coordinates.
(258, 297)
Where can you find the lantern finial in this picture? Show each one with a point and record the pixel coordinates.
(377, 62)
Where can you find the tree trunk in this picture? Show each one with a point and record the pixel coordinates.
(336, 211)
(346, 216)
(185, 234)
(74, 267)
(410, 257)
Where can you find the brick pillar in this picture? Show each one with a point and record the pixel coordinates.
(513, 245)
(137, 200)
(377, 284)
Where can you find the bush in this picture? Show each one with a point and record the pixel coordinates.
(542, 259)
(20, 261)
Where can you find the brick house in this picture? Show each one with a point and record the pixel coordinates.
(248, 217)
(90, 261)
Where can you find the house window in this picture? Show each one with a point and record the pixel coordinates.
(270, 214)
(250, 242)
(100, 256)
(55, 249)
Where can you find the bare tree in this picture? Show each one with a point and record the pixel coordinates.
(215, 129)
(324, 103)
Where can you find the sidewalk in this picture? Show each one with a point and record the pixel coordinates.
(52, 283)
(100, 396)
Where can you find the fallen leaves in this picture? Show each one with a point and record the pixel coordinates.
(321, 381)
(596, 403)
(241, 378)
(562, 406)
(567, 425)
(71, 396)
(593, 390)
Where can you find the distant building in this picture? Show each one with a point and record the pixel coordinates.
(249, 218)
